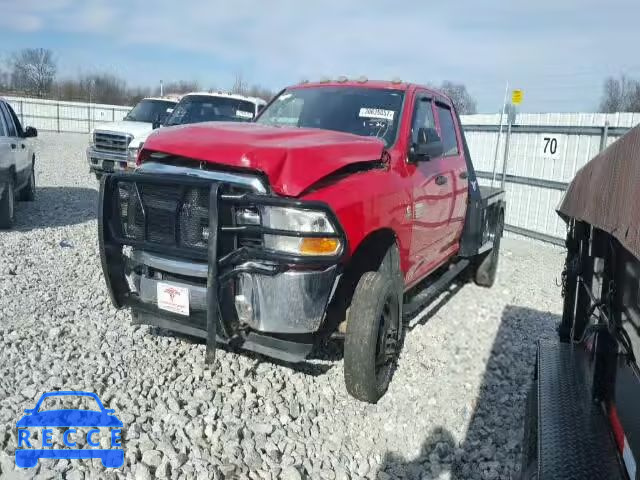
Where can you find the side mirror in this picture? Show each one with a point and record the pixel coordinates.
(156, 122)
(30, 132)
(428, 146)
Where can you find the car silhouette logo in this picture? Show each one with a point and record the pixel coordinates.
(68, 418)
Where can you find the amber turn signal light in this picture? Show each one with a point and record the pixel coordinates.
(319, 246)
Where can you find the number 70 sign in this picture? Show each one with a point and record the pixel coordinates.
(549, 147)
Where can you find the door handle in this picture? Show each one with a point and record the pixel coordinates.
(13, 146)
(441, 180)
(464, 175)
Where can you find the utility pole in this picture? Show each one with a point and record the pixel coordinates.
(495, 155)
(161, 89)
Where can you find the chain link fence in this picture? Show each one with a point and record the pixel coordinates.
(59, 116)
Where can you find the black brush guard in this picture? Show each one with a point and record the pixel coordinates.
(223, 263)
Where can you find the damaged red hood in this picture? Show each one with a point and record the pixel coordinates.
(292, 158)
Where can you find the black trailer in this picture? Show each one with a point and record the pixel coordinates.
(583, 411)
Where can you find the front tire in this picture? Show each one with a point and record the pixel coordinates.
(374, 336)
(28, 192)
(7, 205)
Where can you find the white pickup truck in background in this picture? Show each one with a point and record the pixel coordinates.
(197, 107)
(114, 146)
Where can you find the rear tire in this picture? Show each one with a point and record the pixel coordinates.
(487, 265)
(374, 335)
(7, 205)
(530, 438)
(28, 192)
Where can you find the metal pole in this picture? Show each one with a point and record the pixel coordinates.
(89, 110)
(113, 114)
(161, 89)
(605, 136)
(21, 113)
(506, 149)
(58, 115)
(495, 155)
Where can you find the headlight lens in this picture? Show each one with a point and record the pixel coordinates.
(132, 154)
(299, 221)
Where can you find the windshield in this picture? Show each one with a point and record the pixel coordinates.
(208, 108)
(149, 111)
(67, 402)
(363, 111)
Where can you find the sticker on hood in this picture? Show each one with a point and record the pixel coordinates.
(241, 114)
(377, 113)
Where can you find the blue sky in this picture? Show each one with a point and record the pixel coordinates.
(557, 51)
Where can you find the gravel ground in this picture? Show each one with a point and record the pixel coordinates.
(454, 408)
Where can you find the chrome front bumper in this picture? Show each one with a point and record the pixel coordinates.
(107, 162)
(290, 302)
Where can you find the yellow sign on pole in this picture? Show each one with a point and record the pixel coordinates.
(516, 97)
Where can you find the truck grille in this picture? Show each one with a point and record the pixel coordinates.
(175, 216)
(111, 142)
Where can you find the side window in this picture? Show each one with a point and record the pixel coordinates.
(422, 118)
(16, 121)
(11, 128)
(3, 128)
(448, 130)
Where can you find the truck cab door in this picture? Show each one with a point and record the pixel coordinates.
(17, 144)
(11, 149)
(6, 152)
(432, 199)
(456, 166)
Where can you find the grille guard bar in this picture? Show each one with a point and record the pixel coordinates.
(221, 268)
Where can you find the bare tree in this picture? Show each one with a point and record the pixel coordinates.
(239, 85)
(4, 80)
(33, 70)
(260, 92)
(465, 104)
(620, 95)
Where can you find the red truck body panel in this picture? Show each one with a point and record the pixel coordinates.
(292, 158)
(407, 198)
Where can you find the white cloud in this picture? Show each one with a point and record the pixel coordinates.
(538, 45)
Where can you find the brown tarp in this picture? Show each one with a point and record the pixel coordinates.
(606, 192)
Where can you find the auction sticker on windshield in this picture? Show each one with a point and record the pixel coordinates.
(242, 114)
(376, 113)
(173, 298)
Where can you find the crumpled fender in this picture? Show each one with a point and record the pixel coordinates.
(293, 159)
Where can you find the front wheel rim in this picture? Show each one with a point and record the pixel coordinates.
(387, 347)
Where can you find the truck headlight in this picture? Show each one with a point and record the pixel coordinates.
(300, 221)
(132, 153)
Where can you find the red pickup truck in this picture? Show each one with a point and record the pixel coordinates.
(340, 211)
